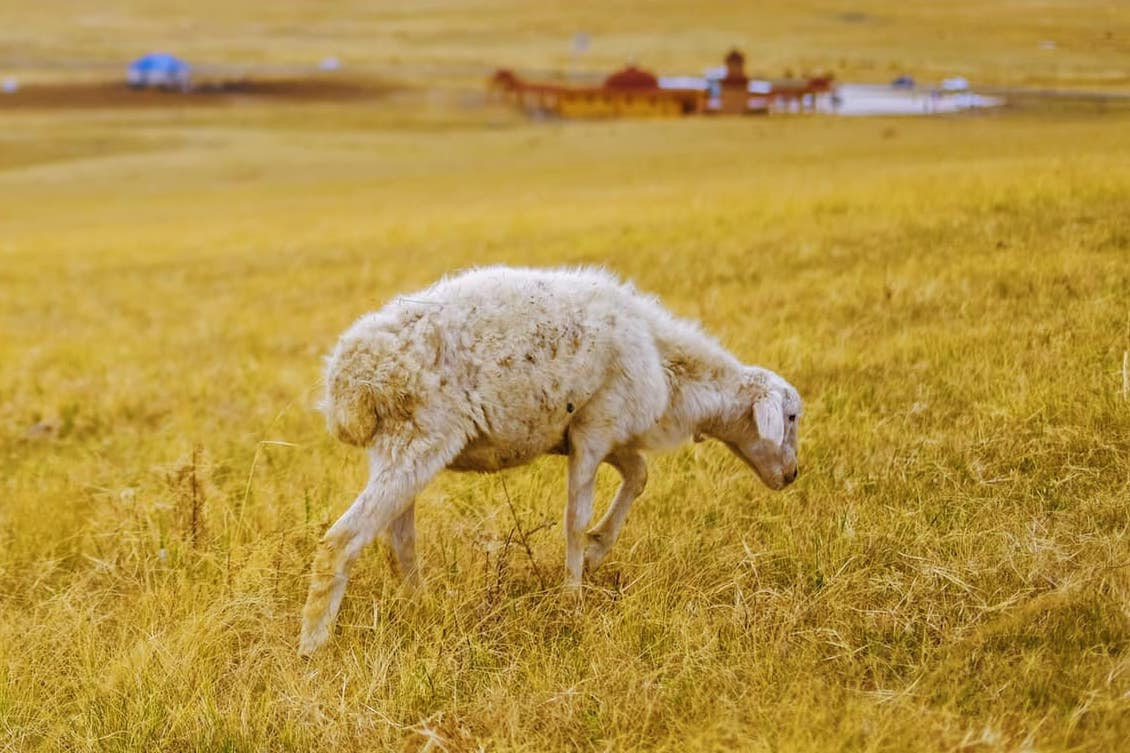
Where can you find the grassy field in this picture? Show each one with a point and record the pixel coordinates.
(952, 297)
(1018, 42)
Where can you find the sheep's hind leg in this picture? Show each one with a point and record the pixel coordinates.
(402, 540)
(387, 497)
(633, 472)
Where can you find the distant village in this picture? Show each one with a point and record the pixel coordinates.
(629, 92)
(632, 91)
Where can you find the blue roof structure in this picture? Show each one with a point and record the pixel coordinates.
(158, 69)
(159, 62)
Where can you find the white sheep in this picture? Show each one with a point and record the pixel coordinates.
(498, 366)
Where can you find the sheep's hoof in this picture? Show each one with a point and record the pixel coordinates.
(572, 594)
(595, 552)
(594, 559)
(412, 584)
(311, 642)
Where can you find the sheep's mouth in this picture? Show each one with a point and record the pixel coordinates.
(776, 484)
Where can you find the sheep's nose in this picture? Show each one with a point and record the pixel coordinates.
(791, 475)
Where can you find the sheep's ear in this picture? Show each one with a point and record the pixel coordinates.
(770, 423)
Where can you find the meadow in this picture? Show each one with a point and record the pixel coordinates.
(1037, 43)
(949, 572)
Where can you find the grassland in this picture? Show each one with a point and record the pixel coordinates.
(952, 296)
(1000, 42)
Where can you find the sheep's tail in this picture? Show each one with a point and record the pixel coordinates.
(365, 387)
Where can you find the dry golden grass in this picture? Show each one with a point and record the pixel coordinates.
(950, 572)
(1002, 41)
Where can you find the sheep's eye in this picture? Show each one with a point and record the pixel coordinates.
(792, 418)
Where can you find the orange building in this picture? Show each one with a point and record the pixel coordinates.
(628, 92)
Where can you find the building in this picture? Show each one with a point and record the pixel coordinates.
(733, 88)
(627, 92)
(158, 70)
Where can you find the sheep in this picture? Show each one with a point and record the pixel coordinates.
(497, 366)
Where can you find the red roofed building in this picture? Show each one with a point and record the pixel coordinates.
(631, 91)
(631, 78)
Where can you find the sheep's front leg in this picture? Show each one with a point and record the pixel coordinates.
(633, 473)
(583, 463)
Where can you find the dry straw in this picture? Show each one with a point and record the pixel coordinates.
(1126, 375)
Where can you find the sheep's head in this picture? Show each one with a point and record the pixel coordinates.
(762, 429)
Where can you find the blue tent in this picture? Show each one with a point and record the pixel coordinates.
(158, 69)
